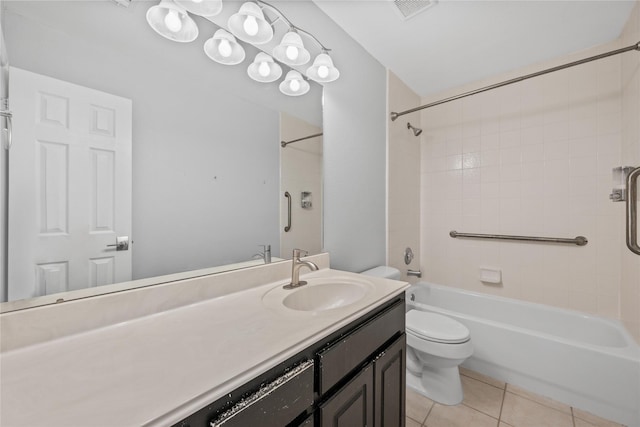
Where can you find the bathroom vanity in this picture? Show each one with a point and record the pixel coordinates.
(224, 348)
(354, 377)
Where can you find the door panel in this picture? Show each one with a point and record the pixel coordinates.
(69, 186)
(390, 385)
(352, 405)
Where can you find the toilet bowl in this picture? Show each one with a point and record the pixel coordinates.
(436, 345)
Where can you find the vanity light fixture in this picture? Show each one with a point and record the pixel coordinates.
(202, 7)
(172, 21)
(250, 25)
(264, 69)
(294, 84)
(323, 70)
(224, 49)
(291, 50)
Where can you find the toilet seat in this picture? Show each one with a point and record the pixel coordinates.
(436, 327)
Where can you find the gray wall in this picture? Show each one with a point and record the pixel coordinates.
(355, 117)
(355, 167)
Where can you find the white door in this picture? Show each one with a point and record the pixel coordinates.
(69, 186)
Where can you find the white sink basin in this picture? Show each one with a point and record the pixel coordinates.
(324, 297)
(319, 294)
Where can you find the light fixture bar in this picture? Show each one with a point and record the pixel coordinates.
(282, 16)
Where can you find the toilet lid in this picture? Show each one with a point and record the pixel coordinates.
(436, 327)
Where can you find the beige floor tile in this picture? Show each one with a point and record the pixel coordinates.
(521, 412)
(458, 416)
(481, 377)
(418, 406)
(482, 396)
(539, 399)
(412, 423)
(592, 420)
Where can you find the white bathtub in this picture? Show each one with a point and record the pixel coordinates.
(584, 361)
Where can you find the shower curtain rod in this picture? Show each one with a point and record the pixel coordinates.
(285, 143)
(519, 79)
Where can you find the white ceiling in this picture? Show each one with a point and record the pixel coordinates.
(457, 42)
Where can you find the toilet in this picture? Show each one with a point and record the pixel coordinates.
(436, 346)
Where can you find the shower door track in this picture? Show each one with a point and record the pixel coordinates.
(635, 47)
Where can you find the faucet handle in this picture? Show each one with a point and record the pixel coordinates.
(297, 253)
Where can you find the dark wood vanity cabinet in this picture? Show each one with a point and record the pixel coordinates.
(374, 397)
(354, 377)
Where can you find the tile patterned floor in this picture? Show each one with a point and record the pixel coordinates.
(492, 403)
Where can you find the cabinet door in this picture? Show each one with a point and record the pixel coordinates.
(390, 385)
(352, 405)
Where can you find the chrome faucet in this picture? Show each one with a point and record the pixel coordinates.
(296, 265)
(265, 254)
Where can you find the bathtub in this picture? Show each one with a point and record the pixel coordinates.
(588, 362)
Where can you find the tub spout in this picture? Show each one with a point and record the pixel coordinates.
(415, 273)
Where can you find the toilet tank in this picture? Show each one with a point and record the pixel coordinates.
(383, 271)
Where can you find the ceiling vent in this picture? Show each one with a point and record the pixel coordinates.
(123, 3)
(410, 8)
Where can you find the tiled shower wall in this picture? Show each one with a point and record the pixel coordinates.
(630, 284)
(533, 158)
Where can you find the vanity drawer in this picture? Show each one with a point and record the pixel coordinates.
(351, 350)
(275, 404)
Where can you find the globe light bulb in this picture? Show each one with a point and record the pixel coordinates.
(294, 85)
(172, 21)
(250, 25)
(263, 69)
(292, 53)
(224, 48)
(323, 71)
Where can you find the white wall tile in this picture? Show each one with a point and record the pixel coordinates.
(471, 144)
(583, 146)
(510, 155)
(536, 159)
(532, 153)
(511, 172)
(471, 160)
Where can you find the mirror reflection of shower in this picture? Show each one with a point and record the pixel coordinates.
(301, 161)
(416, 131)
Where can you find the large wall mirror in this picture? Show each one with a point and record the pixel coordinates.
(121, 133)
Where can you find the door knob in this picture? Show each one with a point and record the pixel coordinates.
(122, 243)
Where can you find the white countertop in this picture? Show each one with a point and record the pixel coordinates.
(160, 368)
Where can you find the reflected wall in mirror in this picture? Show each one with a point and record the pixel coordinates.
(202, 140)
(301, 177)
